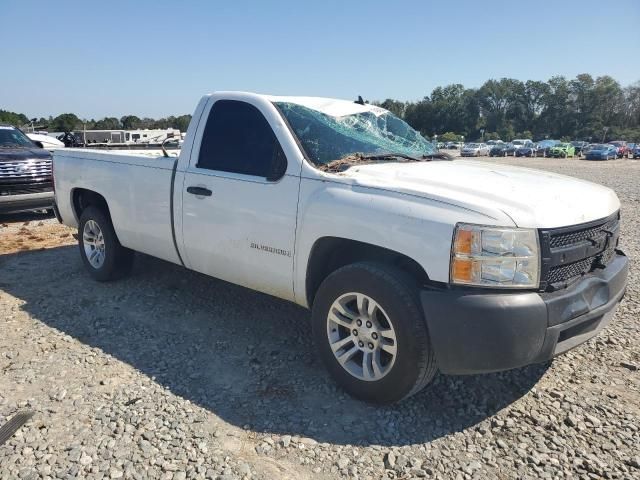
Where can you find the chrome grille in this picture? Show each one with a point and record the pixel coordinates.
(25, 169)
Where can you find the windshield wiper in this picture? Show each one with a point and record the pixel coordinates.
(352, 159)
(341, 164)
(389, 156)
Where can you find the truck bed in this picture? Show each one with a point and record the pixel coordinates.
(137, 187)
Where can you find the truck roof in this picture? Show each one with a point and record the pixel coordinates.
(330, 106)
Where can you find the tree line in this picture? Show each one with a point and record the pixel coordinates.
(583, 108)
(67, 122)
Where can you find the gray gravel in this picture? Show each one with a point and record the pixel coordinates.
(173, 375)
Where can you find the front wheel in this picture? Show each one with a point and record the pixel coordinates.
(371, 334)
(102, 254)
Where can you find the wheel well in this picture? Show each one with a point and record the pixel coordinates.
(82, 198)
(331, 253)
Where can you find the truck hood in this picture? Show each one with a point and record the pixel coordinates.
(530, 198)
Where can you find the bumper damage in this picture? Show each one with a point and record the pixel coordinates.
(474, 331)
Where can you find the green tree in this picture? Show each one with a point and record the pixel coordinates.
(449, 137)
(12, 118)
(65, 122)
(491, 136)
(182, 122)
(130, 122)
(499, 103)
(108, 123)
(631, 106)
(394, 106)
(419, 114)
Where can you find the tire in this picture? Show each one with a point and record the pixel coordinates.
(116, 260)
(398, 310)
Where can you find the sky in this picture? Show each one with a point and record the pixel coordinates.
(157, 58)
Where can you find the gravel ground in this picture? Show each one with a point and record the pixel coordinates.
(170, 374)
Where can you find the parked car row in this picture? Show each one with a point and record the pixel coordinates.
(551, 148)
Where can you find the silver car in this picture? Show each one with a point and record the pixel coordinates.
(474, 150)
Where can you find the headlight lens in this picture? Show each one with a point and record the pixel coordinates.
(495, 257)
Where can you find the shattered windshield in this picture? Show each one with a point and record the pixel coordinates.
(326, 138)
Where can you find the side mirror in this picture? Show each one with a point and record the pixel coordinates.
(38, 143)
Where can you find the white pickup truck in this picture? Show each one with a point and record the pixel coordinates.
(409, 263)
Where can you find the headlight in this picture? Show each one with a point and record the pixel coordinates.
(499, 257)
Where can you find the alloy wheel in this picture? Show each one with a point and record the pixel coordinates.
(361, 336)
(93, 242)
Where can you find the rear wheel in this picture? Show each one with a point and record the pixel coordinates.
(371, 334)
(102, 254)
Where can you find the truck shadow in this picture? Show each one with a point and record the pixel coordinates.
(246, 357)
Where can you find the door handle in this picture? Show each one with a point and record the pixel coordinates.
(199, 191)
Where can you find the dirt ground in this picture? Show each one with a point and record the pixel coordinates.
(19, 233)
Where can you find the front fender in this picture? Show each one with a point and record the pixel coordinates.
(417, 227)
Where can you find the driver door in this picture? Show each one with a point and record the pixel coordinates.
(239, 203)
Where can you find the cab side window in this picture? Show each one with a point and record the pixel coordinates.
(238, 139)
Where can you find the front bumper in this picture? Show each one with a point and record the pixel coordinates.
(26, 202)
(476, 331)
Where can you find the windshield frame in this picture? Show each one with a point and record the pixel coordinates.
(379, 152)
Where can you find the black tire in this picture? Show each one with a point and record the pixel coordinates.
(118, 260)
(398, 295)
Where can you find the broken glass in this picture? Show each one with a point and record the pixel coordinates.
(326, 138)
